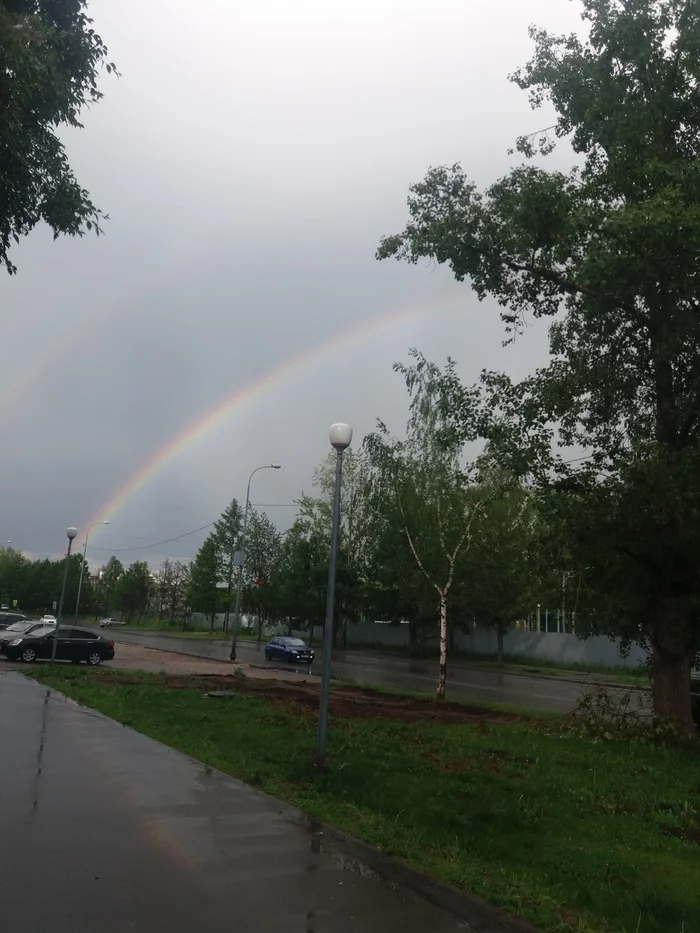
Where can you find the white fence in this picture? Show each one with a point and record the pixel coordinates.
(551, 646)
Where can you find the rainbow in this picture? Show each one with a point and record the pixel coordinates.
(240, 397)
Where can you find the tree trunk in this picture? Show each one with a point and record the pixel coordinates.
(671, 688)
(500, 647)
(673, 654)
(211, 622)
(260, 625)
(311, 634)
(442, 675)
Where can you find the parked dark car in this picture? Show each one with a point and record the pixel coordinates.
(74, 644)
(7, 618)
(282, 648)
(695, 699)
(19, 628)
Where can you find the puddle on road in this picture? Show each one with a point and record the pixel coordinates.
(320, 844)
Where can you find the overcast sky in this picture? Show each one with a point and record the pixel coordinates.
(250, 157)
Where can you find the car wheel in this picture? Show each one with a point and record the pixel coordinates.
(267, 655)
(94, 658)
(28, 655)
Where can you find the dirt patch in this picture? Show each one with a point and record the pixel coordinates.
(345, 701)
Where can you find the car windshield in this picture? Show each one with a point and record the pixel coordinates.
(294, 642)
(19, 626)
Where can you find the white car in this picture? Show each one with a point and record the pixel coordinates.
(48, 620)
(110, 623)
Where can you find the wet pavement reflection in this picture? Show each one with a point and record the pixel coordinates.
(104, 830)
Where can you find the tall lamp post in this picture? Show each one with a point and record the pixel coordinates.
(70, 534)
(241, 559)
(82, 567)
(340, 438)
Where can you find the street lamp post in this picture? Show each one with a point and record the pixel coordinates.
(82, 567)
(70, 534)
(241, 560)
(340, 438)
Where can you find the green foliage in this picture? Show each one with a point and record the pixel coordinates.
(609, 252)
(226, 537)
(227, 540)
(202, 592)
(501, 565)
(262, 567)
(51, 58)
(36, 585)
(107, 586)
(309, 544)
(169, 593)
(133, 589)
(303, 577)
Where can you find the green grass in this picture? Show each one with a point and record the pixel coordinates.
(570, 834)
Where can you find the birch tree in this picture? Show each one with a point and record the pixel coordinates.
(431, 502)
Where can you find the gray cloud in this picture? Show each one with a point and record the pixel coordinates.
(250, 158)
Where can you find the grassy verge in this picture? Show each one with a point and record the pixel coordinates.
(572, 835)
(632, 677)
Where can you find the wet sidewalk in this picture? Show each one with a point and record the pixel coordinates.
(103, 830)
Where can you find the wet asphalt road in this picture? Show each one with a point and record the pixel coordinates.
(533, 692)
(105, 831)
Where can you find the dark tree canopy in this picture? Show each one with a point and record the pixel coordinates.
(610, 252)
(50, 58)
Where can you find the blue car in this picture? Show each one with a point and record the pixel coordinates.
(290, 650)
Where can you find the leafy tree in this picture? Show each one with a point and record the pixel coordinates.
(610, 252)
(51, 59)
(501, 565)
(202, 592)
(302, 578)
(133, 589)
(262, 565)
(315, 517)
(108, 580)
(434, 504)
(14, 571)
(227, 539)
